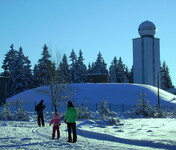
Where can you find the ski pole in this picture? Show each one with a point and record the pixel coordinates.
(62, 131)
(66, 132)
(84, 136)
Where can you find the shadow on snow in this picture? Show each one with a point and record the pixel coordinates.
(110, 138)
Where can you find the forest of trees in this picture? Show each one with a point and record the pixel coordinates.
(17, 67)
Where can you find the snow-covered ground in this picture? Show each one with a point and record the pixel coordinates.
(129, 134)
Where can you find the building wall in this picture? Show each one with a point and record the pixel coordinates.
(146, 60)
(98, 78)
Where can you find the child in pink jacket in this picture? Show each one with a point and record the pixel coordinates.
(56, 123)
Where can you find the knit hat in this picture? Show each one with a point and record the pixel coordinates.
(70, 104)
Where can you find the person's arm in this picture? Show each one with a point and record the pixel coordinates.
(51, 122)
(65, 117)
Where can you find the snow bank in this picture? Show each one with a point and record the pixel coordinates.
(95, 92)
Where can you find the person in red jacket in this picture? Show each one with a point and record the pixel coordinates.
(56, 123)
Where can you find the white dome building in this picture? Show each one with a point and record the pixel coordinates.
(147, 29)
(146, 55)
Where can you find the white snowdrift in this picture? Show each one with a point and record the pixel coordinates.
(95, 92)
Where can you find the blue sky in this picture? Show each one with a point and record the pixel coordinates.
(107, 26)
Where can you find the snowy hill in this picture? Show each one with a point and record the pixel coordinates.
(95, 92)
(93, 134)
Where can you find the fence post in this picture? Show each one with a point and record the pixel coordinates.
(34, 105)
(17, 106)
(52, 105)
(110, 107)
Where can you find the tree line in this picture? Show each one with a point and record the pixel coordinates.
(21, 76)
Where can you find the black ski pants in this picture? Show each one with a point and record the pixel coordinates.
(72, 128)
(40, 119)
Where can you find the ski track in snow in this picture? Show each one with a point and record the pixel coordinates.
(28, 136)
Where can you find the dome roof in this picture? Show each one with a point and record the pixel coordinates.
(147, 28)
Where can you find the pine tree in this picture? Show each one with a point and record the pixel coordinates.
(166, 81)
(129, 75)
(74, 67)
(17, 68)
(10, 57)
(64, 70)
(28, 72)
(73, 59)
(36, 79)
(118, 72)
(46, 67)
(112, 71)
(89, 70)
(99, 67)
(82, 68)
(143, 106)
(21, 76)
(121, 76)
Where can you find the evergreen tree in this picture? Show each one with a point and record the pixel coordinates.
(73, 57)
(129, 75)
(113, 70)
(143, 106)
(17, 68)
(22, 75)
(121, 76)
(82, 68)
(118, 72)
(36, 79)
(74, 68)
(64, 70)
(10, 57)
(89, 70)
(77, 68)
(99, 67)
(166, 81)
(46, 67)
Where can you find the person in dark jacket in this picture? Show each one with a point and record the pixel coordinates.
(70, 118)
(39, 108)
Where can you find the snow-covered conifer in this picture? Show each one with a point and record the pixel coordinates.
(118, 72)
(8, 61)
(17, 68)
(166, 82)
(46, 67)
(99, 66)
(83, 111)
(64, 70)
(103, 109)
(112, 71)
(82, 68)
(75, 75)
(20, 113)
(36, 79)
(106, 114)
(22, 76)
(5, 113)
(143, 107)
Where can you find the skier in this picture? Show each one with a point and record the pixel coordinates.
(56, 123)
(70, 118)
(39, 108)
